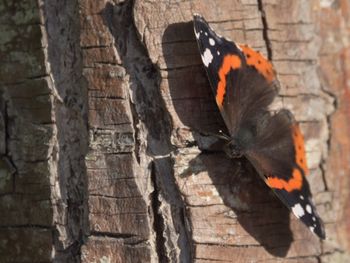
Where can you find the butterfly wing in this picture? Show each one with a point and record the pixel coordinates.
(234, 72)
(278, 154)
(244, 84)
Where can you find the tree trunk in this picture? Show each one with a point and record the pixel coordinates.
(103, 108)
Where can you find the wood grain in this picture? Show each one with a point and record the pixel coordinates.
(105, 111)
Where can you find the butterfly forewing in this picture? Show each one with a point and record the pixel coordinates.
(220, 58)
(301, 204)
(233, 77)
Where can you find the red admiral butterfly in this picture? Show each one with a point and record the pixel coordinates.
(245, 84)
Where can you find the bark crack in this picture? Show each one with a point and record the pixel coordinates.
(158, 221)
(11, 166)
(265, 30)
(26, 226)
(112, 235)
(329, 139)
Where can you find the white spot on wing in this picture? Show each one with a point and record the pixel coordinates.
(308, 208)
(205, 33)
(207, 57)
(298, 210)
(197, 34)
(313, 218)
(218, 52)
(239, 48)
(211, 41)
(311, 228)
(301, 197)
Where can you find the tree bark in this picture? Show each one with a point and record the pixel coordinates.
(103, 110)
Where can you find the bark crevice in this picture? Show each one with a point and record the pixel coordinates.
(265, 30)
(153, 124)
(158, 221)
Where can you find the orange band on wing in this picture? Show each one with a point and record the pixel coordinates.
(295, 183)
(229, 62)
(261, 64)
(300, 156)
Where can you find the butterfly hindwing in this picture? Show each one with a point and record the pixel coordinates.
(294, 191)
(278, 154)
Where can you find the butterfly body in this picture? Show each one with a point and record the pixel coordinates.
(244, 84)
(234, 149)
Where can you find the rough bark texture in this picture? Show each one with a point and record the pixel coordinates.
(101, 107)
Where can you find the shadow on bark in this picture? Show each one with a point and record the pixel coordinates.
(148, 106)
(258, 211)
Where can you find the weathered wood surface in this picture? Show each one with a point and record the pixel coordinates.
(101, 160)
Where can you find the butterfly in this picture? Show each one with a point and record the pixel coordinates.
(244, 84)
